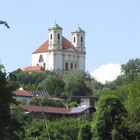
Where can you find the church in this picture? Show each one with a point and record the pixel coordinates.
(60, 54)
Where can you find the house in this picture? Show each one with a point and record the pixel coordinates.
(86, 100)
(22, 95)
(58, 53)
(26, 96)
(41, 112)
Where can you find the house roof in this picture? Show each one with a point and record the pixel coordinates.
(32, 68)
(65, 43)
(24, 93)
(85, 97)
(32, 108)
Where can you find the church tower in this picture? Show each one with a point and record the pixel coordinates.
(78, 39)
(55, 37)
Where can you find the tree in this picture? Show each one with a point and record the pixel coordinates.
(5, 100)
(75, 83)
(53, 84)
(4, 23)
(109, 119)
(133, 107)
(85, 132)
(132, 68)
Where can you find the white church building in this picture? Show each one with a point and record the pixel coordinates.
(60, 54)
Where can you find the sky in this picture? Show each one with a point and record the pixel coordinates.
(112, 29)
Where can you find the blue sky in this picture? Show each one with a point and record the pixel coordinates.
(112, 29)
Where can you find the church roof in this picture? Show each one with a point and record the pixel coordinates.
(78, 30)
(32, 68)
(65, 43)
(55, 27)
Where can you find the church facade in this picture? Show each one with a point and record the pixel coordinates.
(60, 54)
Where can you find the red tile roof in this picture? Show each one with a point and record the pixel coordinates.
(43, 47)
(32, 68)
(32, 108)
(55, 110)
(65, 43)
(24, 93)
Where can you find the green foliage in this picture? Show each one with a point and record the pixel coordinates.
(5, 100)
(132, 68)
(75, 83)
(48, 102)
(34, 130)
(85, 132)
(9, 125)
(29, 80)
(53, 84)
(64, 129)
(110, 116)
(133, 107)
(72, 104)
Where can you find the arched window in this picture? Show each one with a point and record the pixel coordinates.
(66, 66)
(41, 58)
(81, 39)
(74, 39)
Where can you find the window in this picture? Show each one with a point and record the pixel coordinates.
(71, 65)
(51, 36)
(44, 65)
(41, 58)
(58, 36)
(74, 39)
(75, 65)
(81, 39)
(66, 66)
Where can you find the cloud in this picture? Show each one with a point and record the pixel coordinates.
(108, 72)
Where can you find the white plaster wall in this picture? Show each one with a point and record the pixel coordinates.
(23, 99)
(50, 64)
(85, 102)
(77, 42)
(58, 61)
(55, 42)
(35, 59)
(82, 62)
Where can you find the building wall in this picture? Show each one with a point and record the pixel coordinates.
(82, 62)
(85, 101)
(36, 57)
(23, 99)
(58, 63)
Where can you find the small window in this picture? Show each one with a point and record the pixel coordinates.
(74, 39)
(51, 36)
(71, 65)
(81, 39)
(66, 66)
(44, 65)
(58, 36)
(75, 65)
(41, 58)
